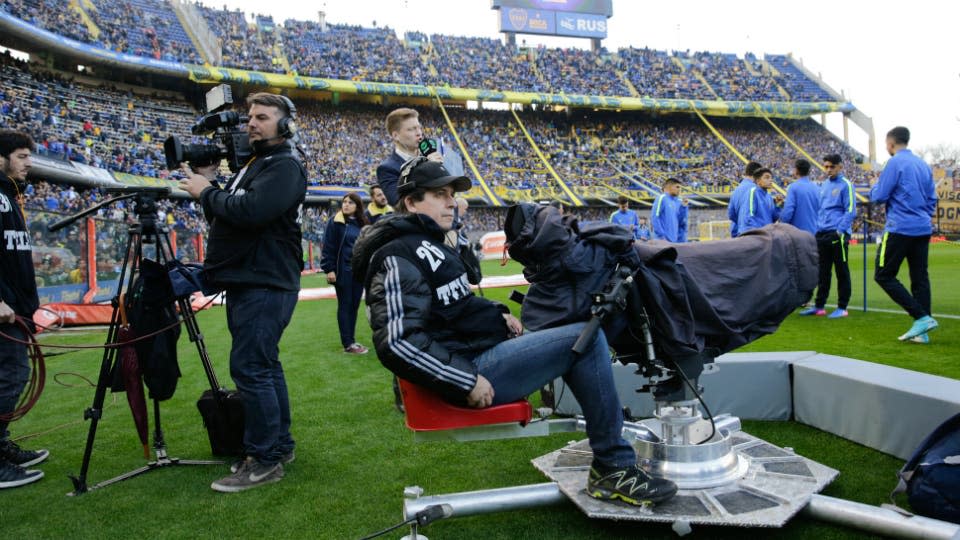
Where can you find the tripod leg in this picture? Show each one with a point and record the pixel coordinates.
(109, 358)
(165, 248)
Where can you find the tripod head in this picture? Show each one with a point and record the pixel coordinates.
(145, 208)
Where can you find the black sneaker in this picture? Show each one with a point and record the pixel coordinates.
(284, 459)
(628, 484)
(12, 475)
(250, 474)
(12, 452)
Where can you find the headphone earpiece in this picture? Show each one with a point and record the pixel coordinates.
(287, 126)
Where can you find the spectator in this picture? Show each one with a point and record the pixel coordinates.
(378, 206)
(338, 240)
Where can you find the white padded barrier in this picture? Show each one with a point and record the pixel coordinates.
(886, 408)
(753, 386)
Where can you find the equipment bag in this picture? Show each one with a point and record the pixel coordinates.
(931, 477)
(150, 308)
(223, 417)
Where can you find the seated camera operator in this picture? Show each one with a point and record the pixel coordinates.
(429, 328)
(254, 254)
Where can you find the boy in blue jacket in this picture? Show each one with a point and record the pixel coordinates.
(838, 207)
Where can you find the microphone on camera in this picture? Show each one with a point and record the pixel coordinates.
(427, 147)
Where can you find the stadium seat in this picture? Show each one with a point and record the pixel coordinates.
(426, 411)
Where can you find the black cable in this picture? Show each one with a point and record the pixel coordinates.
(423, 518)
(389, 529)
(713, 425)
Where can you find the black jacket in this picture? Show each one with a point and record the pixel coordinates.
(427, 323)
(255, 224)
(18, 285)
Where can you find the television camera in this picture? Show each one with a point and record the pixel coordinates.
(224, 128)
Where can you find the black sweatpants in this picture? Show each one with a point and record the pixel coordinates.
(832, 248)
(893, 249)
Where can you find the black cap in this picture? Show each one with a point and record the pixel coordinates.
(421, 173)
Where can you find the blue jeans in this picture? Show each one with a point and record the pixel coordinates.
(520, 366)
(349, 293)
(256, 319)
(14, 372)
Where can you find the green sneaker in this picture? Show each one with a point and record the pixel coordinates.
(628, 484)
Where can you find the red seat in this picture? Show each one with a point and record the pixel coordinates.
(426, 411)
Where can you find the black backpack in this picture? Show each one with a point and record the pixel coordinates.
(150, 307)
(931, 477)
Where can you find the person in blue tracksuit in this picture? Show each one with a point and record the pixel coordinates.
(907, 189)
(624, 216)
(643, 230)
(338, 240)
(803, 200)
(668, 216)
(736, 198)
(838, 208)
(759, 208)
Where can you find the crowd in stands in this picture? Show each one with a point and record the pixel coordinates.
(576, 71)
(655, 74)
(102, 127)
(123, 132)
(350, 53)
(243, 45)
(52, 15)
(150, 28)
(475, 62)
(730, 78)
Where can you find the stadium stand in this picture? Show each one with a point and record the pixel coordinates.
(52, 15)
(350, 53)
(473, 62)
(98, 126)
(576, 71)
(242, 44)
(797, 85)
(121, 131)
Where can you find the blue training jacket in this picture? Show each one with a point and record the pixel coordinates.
(757, 210)
(626, 219)
(838, 205)
(669, 219)
(802, 205)
(906, 186)
(733, 206)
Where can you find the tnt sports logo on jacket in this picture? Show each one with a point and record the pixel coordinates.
(453, 291)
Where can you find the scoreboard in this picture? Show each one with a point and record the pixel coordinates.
(570, 18)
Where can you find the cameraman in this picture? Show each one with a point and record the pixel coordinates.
(18, 296)
(403, 126)
(254, 254)
(430, 329)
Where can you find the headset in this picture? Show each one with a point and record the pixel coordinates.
(287, 126)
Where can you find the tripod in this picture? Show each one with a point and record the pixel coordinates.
(143, 232)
